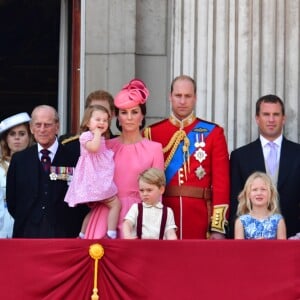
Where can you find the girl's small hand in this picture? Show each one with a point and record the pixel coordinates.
(97, 131)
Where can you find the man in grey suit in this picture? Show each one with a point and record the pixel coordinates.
(270, 118)
(35, 195)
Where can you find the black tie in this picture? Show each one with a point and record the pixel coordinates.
(45, 160)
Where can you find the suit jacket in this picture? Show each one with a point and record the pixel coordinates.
(23, 182)
(248, 159)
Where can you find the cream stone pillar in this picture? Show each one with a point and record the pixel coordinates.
(238, 51)
(110, 44)
(126, 39)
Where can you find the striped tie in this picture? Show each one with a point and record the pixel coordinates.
(45, 160)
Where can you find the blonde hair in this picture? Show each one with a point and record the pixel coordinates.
(87, 116)
(245, 205)
(153, 176)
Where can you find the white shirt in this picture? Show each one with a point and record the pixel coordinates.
(152, 216)
(266, 149)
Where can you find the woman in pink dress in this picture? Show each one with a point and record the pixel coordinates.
(92, 181)
(132, 154)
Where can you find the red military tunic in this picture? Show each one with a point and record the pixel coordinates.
(198, 191)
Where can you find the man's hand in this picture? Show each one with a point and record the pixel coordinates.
(216, 236)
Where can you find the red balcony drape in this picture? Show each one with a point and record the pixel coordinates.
(144, 269)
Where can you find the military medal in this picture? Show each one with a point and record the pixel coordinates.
(200, 172)
(197, 144)
(53, 176)
(201, 143)
(200, 155)
(61, 173)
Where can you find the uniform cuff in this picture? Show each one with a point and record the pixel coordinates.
(218, 219)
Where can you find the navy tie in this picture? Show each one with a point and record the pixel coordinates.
(45, 160)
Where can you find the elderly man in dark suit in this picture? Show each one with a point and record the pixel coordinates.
(270, 118)
(37, 183)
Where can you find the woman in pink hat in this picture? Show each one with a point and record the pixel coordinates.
(14, 136)
(132, 154)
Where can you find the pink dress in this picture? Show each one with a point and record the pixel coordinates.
(130, 161)
(93, 176)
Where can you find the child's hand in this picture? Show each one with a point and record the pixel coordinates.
(97, 131)
(102, 129)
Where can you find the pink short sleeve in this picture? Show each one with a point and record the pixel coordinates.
(85, 137)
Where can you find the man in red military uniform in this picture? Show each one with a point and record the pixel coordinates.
(196, 166)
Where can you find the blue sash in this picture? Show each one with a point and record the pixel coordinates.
(177, 161)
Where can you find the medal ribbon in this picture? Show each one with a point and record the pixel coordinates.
(62, 173)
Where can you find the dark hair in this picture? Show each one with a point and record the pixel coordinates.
(269, 99)
(100, 95)
(184, 77)
(143, 110)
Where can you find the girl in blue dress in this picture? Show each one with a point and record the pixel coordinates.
(258, 211)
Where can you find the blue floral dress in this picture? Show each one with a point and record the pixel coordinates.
(260, 229)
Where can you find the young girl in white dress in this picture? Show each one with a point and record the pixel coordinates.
(258, 211)
(93, 175)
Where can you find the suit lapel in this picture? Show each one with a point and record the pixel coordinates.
(59, 155)
(257, 155)
(33, 167)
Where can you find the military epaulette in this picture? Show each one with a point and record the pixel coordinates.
(147, 130)
(208, 122)
(70, 139)
(157, 123)
(147, 133)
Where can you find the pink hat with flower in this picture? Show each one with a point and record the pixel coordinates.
(132, 94)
